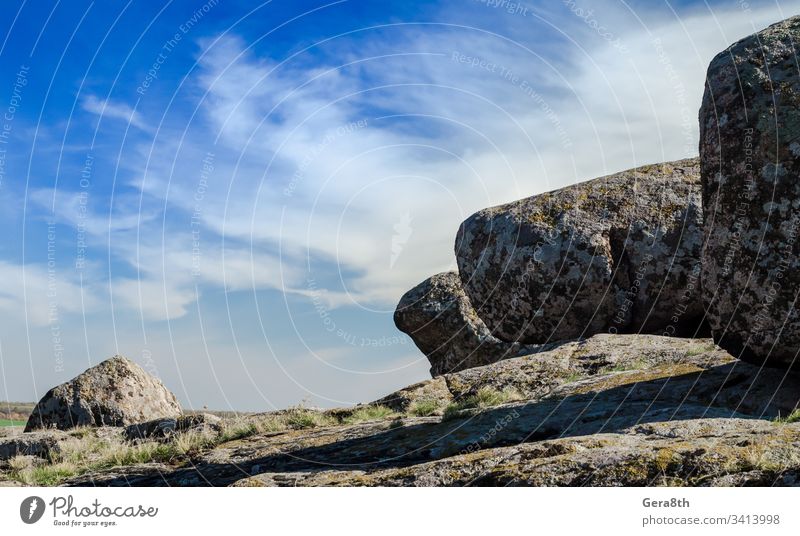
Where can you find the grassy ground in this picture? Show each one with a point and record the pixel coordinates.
(86, 451)
(7, 422)
(14, 413)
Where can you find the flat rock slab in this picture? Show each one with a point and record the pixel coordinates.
(41, 444)
(711, 452)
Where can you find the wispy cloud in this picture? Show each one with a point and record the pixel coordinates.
(333, 178)
(114, 110)
(40, 295)
(315, 163)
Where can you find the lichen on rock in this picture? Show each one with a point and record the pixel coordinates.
(749, 125)
(116, 392)
(441, 321)
(616, 254)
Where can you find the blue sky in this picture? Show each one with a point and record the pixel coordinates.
(236, 195)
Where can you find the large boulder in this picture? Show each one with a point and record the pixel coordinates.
(117, 392)
(439, 318)
(616, 254)
(749, 148)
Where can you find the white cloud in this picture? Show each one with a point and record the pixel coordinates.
(316, 161)
(154, 299)
(341, 176)
(41, 294)
(439, 138)
(115, 110)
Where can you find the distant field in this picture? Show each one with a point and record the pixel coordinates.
(15, 413)
(6, 422)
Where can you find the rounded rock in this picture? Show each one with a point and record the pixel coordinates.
(749, 148)
(116, 392)
(616, 254)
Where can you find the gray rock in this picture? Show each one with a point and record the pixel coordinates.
(616, 254)
(610, 410)
(710, 452)
(167, 427)
(40, 444)
(434, 391)
(749, 147)
(439, 318)
(116, 392)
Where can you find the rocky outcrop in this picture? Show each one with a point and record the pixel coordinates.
(41, 444)
(202, 423)
(616, 254)
(507, 405)
(439, 318)
(701, 452)
(116, 392)
(610, 410)
(750, 153)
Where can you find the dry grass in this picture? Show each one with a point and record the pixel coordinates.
(368, 413)
(424, 407)
(88, 449)
(486, 397)
(85, 451)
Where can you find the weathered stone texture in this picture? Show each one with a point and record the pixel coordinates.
(616, 254)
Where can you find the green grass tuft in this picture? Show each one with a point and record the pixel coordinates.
(424, 407)
(789, 419)
(486, 397)
(700, 349)
(368, 413)
(302, 419)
